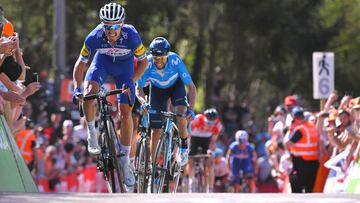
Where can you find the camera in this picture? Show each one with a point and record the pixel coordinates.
(35, 77)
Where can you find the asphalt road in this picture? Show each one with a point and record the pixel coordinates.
(176, 198)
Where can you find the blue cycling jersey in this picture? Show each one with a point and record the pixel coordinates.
(240, 159)
(115, 60)
(128, 45)
(166, 77)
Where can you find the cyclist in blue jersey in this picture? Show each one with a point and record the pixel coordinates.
(113, 45)
(241, 158)
(168, 78)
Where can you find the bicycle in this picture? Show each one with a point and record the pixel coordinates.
(165, 169)
(107, 160)
(200, 171)
(142, 157)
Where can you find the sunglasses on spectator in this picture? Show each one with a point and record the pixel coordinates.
(159, 58)
(112, 27)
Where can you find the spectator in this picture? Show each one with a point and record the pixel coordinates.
(303, 143)
(80, 131)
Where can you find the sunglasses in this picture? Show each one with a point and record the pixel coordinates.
(112, 27)
(159, 58)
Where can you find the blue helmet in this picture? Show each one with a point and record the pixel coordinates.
(159, 46)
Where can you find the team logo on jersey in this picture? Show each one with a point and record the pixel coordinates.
(124, 34)
(140, 50)
(175, 61)
(114, 51)
(85, 51)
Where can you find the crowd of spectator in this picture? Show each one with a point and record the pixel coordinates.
(52, 137)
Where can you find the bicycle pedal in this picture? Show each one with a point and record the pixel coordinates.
(100, 166)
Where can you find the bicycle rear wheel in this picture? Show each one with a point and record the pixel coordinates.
(159, 166)
(143, 166)
(115, 173)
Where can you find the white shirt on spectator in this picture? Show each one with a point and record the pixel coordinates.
(80, 133)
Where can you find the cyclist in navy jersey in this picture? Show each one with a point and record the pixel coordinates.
(113, 45)
(168, 77)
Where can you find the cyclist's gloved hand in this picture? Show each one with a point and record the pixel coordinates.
(77, 95)
(190, 113)
(144, 107)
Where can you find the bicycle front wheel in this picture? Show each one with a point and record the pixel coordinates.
(142, 166)
(115, 174)
(159, 166)
(176, 170)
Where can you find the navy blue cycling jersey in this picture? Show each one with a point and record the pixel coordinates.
(128, 45)
(165, 78)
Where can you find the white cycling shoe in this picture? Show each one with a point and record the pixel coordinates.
(183, 156)
(93, 145)
(128, 174)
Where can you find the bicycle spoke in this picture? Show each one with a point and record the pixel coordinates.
(159, 170)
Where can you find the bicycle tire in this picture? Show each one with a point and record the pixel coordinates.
(176, 170)
(103, 161)
(115, 175)
(142, 164)
(159, 173)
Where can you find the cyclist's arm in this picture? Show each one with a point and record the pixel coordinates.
(254, 160)
(78, 73)
(140, 95)
(141, 66)
(191, 94)
(229, 152)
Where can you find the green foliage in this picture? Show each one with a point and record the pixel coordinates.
(262, 48)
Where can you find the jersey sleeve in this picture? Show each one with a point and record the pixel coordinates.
(217, 128)
(142, 81)
(137, 45)
(196, 123)
(87, 49)
(184, 74)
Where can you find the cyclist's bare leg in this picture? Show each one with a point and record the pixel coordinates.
(181, 122)
(126, 128)
(155, 136)
(91, 87)
(210, 174)
(135, 136)
(252, 184)
(191, 173)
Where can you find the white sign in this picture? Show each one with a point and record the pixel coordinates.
(323, 74)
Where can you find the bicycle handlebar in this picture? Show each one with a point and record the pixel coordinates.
(100, 95)
(200, 156)
(97, 95)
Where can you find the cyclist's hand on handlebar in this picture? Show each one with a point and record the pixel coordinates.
(145, 107)
(127, 90)
(190, 114)
(127, 87)
(77, 95)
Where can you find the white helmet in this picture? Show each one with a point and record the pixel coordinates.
(112, 12)
(241, 136)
